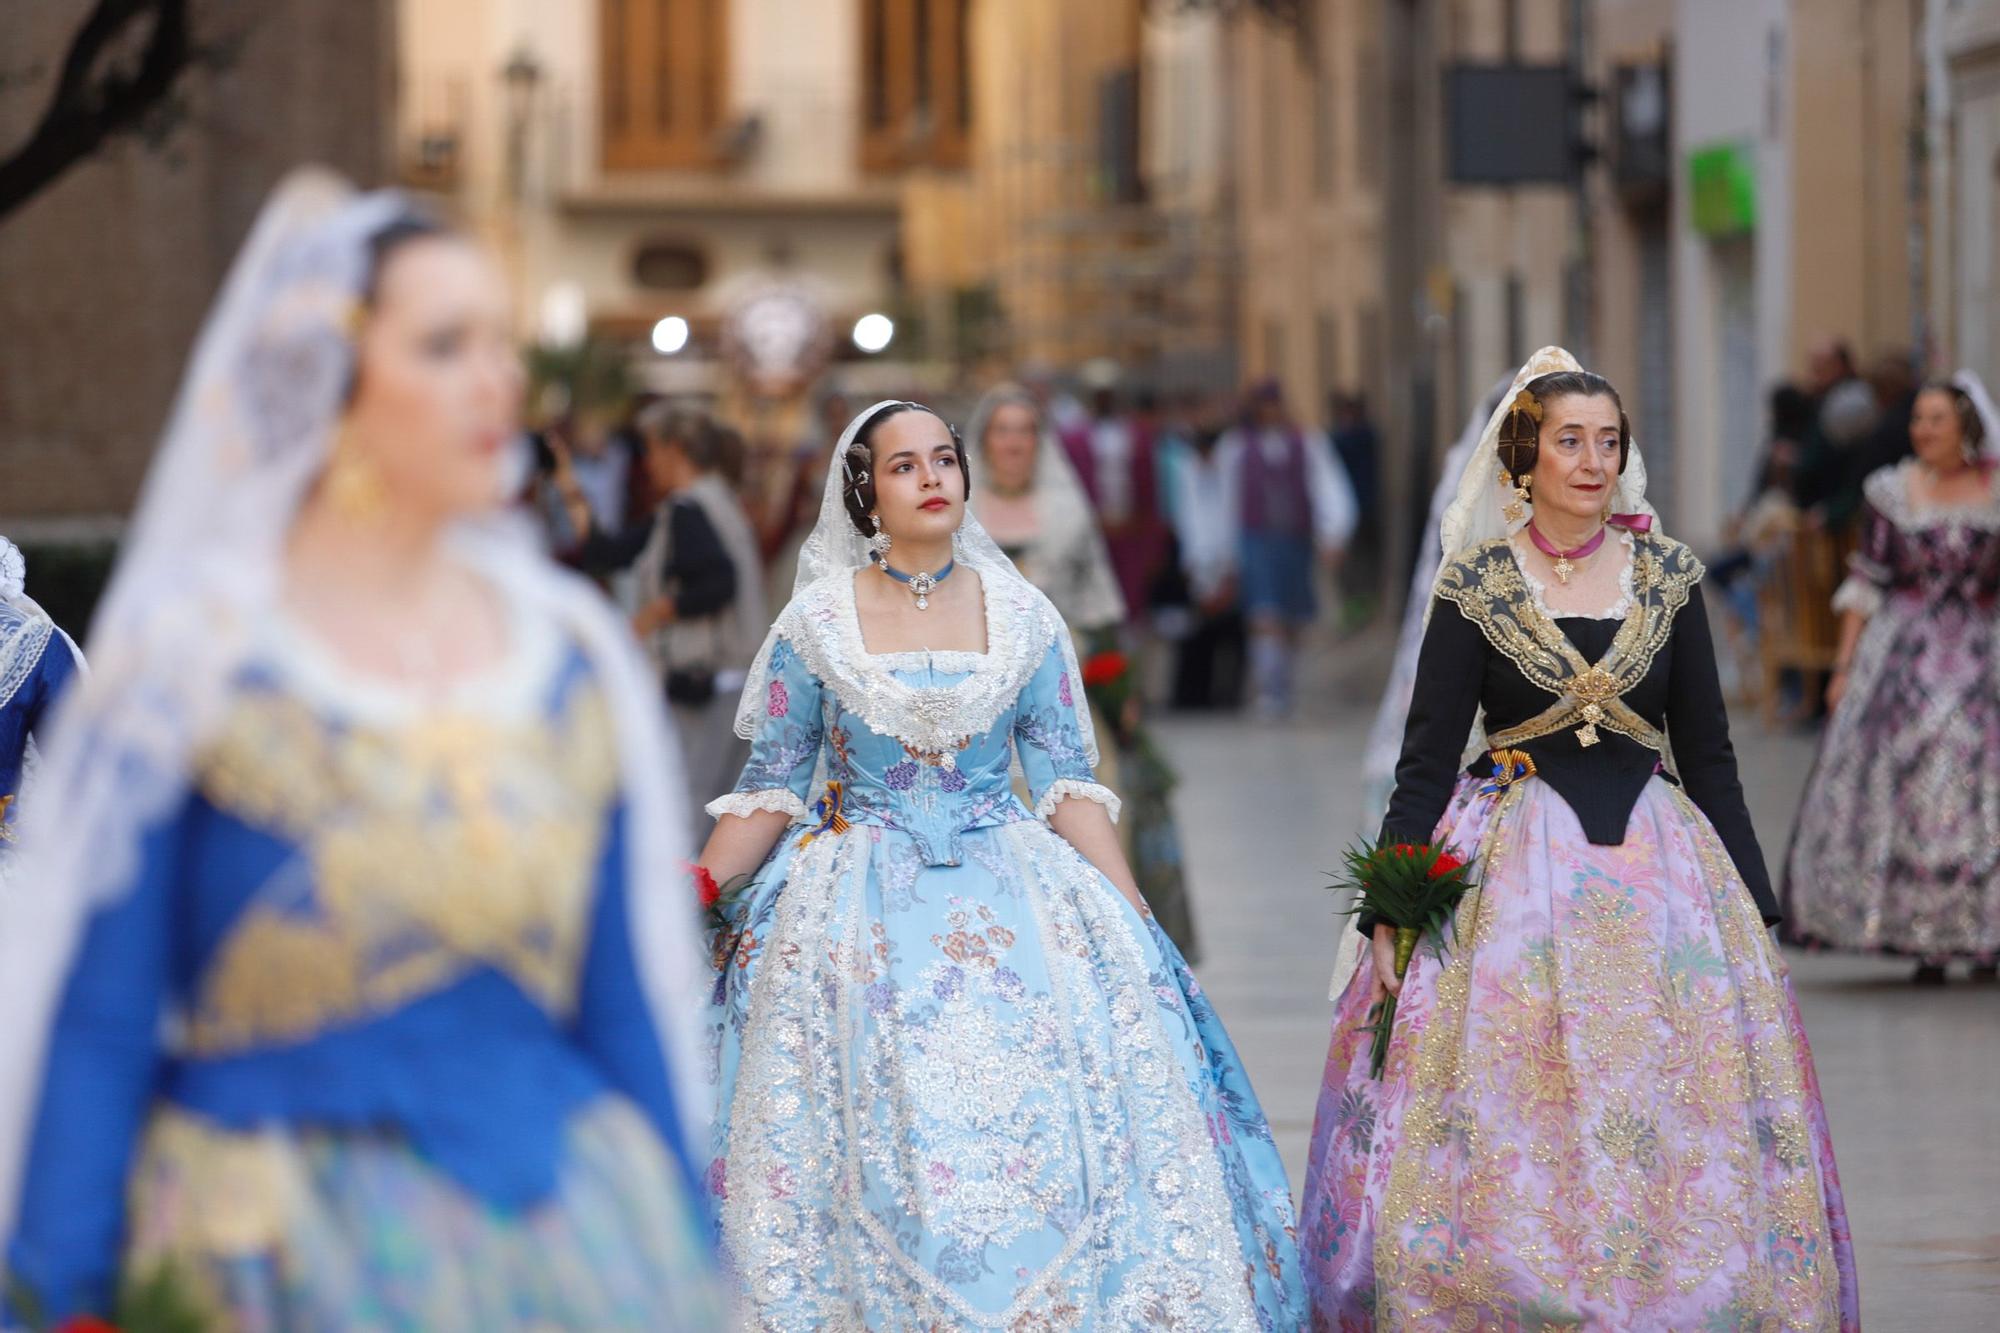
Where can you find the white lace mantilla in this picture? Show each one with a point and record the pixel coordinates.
(823, 626)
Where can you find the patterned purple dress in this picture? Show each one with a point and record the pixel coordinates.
(1599, 1109)
(1898, 844)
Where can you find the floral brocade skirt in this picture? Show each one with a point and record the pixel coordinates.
(1599, 1109)
(1897, 847)
(318, 1231)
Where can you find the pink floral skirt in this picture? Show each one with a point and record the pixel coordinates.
(1599, 1109)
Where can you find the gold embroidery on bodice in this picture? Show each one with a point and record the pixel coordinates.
(1487, 587)
(422, 852)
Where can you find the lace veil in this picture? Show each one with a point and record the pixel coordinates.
(200, 569)
(833, 551)
(1062, 508)
(1974, 388)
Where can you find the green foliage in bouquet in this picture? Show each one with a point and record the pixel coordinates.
(1414, 887)
(161, 1301)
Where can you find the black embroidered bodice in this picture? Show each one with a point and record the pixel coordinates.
(1599, 705)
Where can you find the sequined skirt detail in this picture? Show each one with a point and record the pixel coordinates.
(983, 1096)
(320, 1232)
(1599, 1109)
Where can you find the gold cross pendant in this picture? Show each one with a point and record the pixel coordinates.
(1564, 568)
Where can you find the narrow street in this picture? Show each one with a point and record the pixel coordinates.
(1911, 1078)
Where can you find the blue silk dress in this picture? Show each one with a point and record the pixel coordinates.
(36, 662)
(365, 1044)
(962, 1083)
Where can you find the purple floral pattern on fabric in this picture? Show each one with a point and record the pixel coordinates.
(1898, 842)
(1487, 1190)
(949, 940)
(777, 701)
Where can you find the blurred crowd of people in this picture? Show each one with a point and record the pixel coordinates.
(1222, 522)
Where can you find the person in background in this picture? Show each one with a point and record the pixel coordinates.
(1766, 523)
(1358, 447)
(686, 592)
(1287, 496)
(37, 661)
(1114, 460)
(1208, 668)
(782, 528)
(1026, 496)
(1897, 847)
(1844, 413)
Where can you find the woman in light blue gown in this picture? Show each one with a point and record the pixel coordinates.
(964, 1080)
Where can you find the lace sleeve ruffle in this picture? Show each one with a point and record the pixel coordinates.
(1066, 788)
(1858, 594)
(748, 803)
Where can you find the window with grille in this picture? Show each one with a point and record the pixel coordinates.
(665, 68)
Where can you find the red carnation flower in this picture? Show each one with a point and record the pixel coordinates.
(1104, 668)
(705, 885)
(84, 1323)
(1446, 863)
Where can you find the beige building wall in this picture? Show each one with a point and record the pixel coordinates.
(1964, 137)
(797, 207)
(1308, 145)
(1046, 234)
(105, 277)
(1507, 249)
(1856, 81)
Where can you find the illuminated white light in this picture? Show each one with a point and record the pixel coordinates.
(874, 332)
(670, 335)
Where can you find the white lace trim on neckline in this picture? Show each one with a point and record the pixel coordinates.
(1618, 610)
(823, 625)
(1889, 491)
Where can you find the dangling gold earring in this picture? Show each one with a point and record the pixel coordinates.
(353, 484)
(1518, 506)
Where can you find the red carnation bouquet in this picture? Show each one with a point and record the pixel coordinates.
(1415, 887)
(718, 908)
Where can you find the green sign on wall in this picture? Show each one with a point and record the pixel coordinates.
(1722, 183)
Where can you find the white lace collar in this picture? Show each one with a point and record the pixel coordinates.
(1889, 491)
(823, 625)
(1618, 610)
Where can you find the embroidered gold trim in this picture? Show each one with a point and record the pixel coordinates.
(418, 854)
(1489, 589)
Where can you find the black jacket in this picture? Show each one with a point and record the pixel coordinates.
(1460, 669)
(698, 573)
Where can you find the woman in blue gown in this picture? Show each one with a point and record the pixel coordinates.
(37, 660)
(357, 978)
(964, 1079)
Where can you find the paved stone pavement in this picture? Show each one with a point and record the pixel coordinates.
(1911, 1078)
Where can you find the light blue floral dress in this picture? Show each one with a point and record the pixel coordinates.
(962, 1084)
